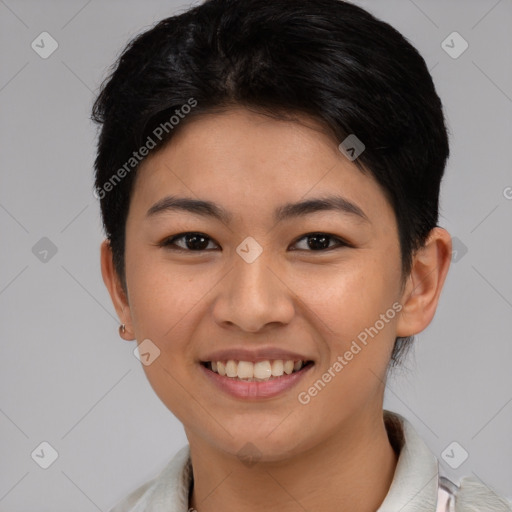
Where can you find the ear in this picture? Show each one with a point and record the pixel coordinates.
(425, 282)
(113, 283)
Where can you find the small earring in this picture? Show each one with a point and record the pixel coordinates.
(122, 329)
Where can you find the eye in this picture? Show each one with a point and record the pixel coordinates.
(320, 242)
(192, 241)
(198, 242)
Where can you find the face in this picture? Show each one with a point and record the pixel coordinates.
(263, 282)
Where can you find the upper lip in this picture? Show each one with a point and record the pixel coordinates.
(259, 354)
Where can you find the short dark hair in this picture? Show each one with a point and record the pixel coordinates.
(327, 59)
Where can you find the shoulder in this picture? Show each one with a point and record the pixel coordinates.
(417, 464)
(136, 500)
(471, 495)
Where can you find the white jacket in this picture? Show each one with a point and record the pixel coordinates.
(417, 485)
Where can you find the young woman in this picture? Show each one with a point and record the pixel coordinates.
(269, 178)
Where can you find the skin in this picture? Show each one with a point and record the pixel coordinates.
(333, 453)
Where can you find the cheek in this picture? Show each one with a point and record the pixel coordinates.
(162, 295)
(348, 298)
(358, 310)
(162, 302)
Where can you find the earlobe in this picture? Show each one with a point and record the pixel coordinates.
(425, 282)
(116, 291)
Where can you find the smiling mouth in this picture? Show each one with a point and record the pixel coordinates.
(260, 371)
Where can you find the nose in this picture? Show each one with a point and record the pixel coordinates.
(254, 296)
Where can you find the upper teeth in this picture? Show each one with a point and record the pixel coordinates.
(261, 370)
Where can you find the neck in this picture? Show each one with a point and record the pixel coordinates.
(351, 470)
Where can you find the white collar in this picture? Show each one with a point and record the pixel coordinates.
(416, 481)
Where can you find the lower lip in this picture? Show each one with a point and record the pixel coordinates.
(264, 389)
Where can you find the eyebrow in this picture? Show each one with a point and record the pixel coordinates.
(284, 212)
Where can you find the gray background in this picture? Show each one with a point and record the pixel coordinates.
(66, 376)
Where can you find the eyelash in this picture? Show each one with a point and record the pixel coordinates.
(169, 244)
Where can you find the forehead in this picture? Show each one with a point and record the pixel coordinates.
(249, 162)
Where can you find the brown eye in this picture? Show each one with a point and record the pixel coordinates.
(321, 242)
(189, 242)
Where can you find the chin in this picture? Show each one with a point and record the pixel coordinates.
(263, 444)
